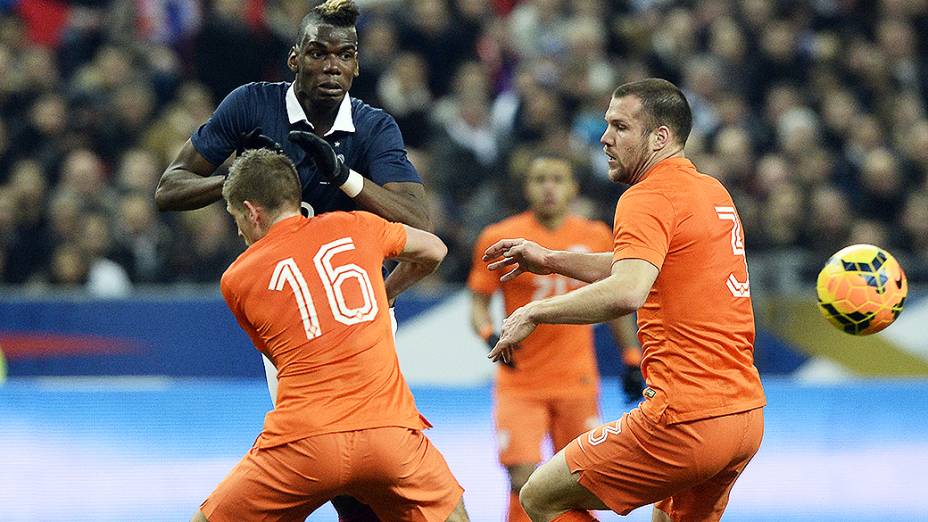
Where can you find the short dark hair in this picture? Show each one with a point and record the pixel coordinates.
(339, 13)
(264, 177)
(549, 159)
(663, 103)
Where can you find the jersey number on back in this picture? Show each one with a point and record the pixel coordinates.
(737, 288)
(333, 277)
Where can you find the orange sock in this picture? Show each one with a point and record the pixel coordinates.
(516, 513)
(574, 516)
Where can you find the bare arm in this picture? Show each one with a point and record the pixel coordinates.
(188, 182)
(623, 292)
(401, 202)
(420, 257)
(480, 318)
(623, 331)
(531, 257)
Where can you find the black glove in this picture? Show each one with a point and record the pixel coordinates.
(323, 155)
(255, 140)
(491, 343)
(632, 382)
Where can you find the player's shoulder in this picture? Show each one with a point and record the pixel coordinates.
(261, 90)
(511, 226)
(581, 223)
(368, 116)
(658, 187)
(344, 218)
(240, 268)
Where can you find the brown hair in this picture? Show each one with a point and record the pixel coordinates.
(264, 177)
(663, 103)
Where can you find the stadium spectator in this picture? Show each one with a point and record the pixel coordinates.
(820, 84)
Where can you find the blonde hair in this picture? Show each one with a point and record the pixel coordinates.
(264, 177)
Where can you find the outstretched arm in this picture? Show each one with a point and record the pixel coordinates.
(528, 256)
(420, 257)
(188, 182)
(621, 293)
(399, 202)
(480, 317)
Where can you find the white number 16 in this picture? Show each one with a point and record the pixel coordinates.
(287, 273)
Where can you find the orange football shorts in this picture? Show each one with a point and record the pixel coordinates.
(522, 423)
(687, 468)
(396, 471)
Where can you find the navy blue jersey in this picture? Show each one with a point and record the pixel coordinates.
(367, 138)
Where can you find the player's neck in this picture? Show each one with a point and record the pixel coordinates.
(656, 157)
(287, 214)
(321, 114)
(551, 222)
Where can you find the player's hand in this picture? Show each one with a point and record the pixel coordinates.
(516, 327)
(632, 382)
(491, 341)
(528, 256)
(255, 140)
(323, 155)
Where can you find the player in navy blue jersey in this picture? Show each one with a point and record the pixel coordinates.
(364, 139)
(348, 154)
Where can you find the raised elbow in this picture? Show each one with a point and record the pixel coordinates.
(437, 253)
(163, 197)
(627, 302)
(161, 200)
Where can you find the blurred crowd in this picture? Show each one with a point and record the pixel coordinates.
(813, 113)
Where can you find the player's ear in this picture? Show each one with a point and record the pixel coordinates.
(292, 59)
(357, 65)
(251, 211)
(661, 137)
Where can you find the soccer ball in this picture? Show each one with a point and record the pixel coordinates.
(861, 289)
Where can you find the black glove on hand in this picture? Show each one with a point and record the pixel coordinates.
(255, 140)
(491, 343)
(323, 155)
(632, 382)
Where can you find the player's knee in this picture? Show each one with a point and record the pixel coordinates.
(519, 475)
(459, 514)
(199, 517)
(532, 498)
(659, 516)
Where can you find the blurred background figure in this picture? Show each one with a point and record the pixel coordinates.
(116, 87)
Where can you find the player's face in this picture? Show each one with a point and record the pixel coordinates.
(246, 229)
(626, 140)
(325, 63)
(549, 188)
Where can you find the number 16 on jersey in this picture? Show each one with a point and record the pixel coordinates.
(333, 278)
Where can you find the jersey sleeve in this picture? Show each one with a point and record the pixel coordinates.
(600, 237)
(390, 235)
(386, 154)
(234, 303)
(481, 280)
(644, 223)
(216, 139)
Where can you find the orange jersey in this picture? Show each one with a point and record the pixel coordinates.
(556, 359)
(696, 327)
(311, 296)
